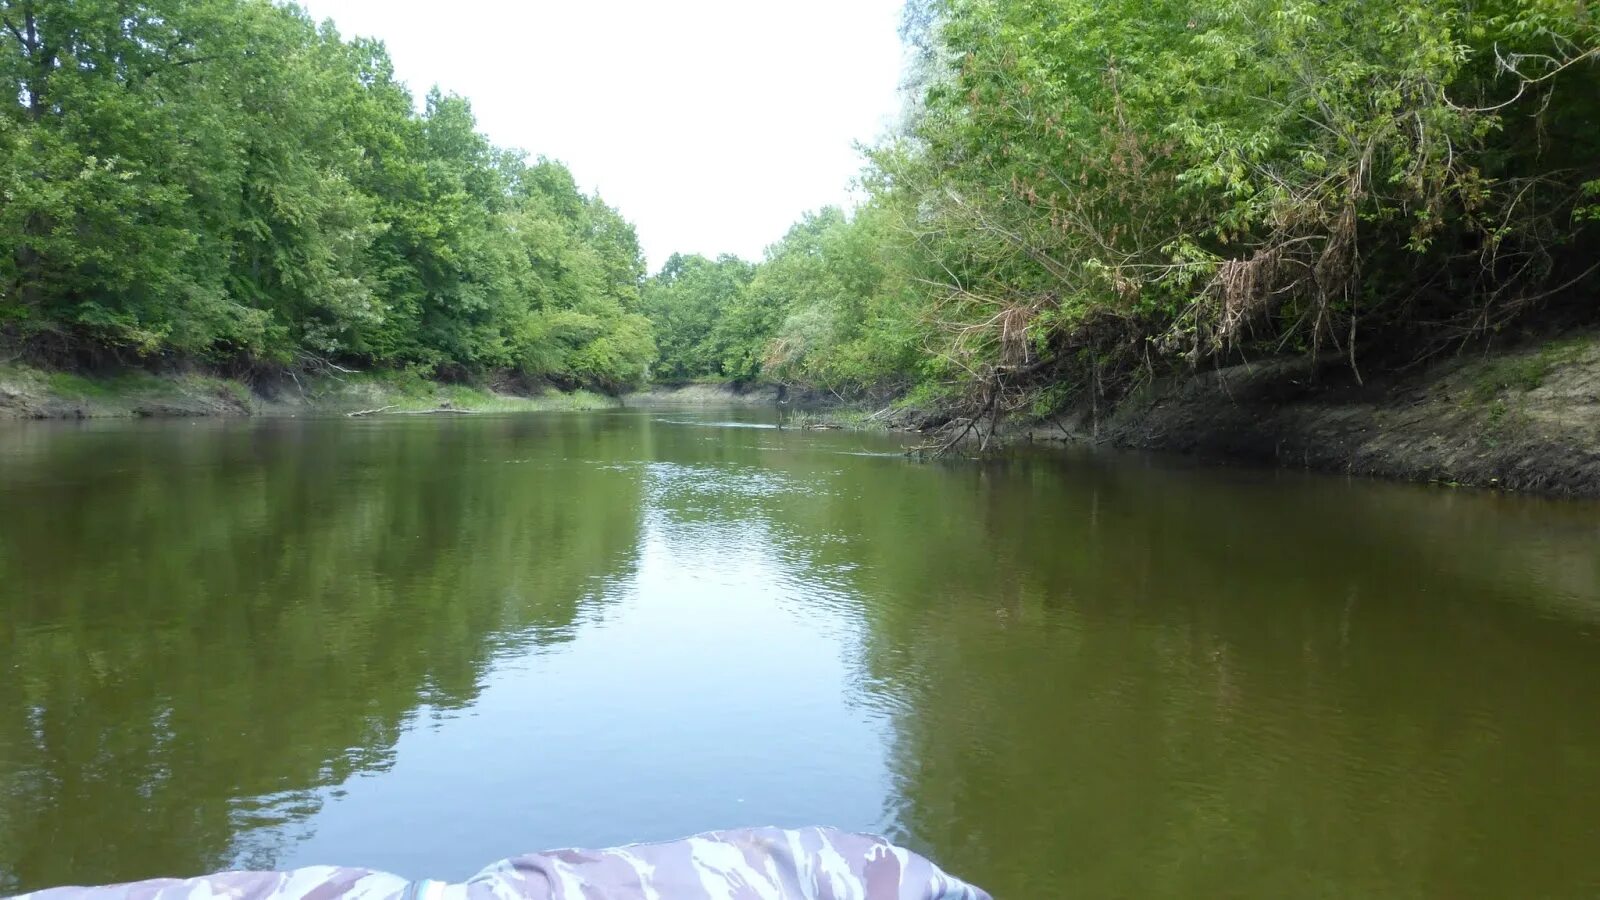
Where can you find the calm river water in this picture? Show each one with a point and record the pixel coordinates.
(422, 645)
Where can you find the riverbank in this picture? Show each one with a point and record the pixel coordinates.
(1522, 419)
(31, 393)
(706, 393)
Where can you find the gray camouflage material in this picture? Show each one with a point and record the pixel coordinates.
(754, 864)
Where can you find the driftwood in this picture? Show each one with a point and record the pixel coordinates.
(441, 411)
(991, 408)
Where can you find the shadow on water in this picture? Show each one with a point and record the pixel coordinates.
(1139, 681)
(422, 645)
(204, 625)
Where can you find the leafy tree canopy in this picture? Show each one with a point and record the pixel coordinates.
(228, 180)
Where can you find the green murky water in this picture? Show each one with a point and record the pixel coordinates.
(422, 645)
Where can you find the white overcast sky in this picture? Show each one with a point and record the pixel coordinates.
(712, 124)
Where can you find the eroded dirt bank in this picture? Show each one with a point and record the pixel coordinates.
(1523, 419)
(1526, 419)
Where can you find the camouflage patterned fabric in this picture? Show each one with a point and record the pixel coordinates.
(754, 864)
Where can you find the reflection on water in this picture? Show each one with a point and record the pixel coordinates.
(422, 645)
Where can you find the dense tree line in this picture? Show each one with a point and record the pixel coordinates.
(226, 180)
(828, 306)
(1085, 191)
(1080, 192)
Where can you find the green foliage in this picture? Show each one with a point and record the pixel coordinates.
(689, 303)
(833, 297)
(226, 179)
(1590, 211)
(826, 307)
(1527, 371)
(1129, 178)
(1081, 188)
(1086, 187)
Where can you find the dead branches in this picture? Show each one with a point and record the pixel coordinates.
(395, 410)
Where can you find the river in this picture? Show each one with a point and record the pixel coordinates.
(425, 644)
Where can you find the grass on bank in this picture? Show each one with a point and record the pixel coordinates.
(134, 386)
(28, 391)
(123, 394)
(1527, 372)
(411, 392)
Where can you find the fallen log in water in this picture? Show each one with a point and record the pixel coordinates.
(395, 410)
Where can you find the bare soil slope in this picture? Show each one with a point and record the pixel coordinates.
(1526, 419)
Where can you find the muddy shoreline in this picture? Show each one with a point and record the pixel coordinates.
(1525, 419)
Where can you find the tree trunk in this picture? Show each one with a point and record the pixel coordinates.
(42, 62)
